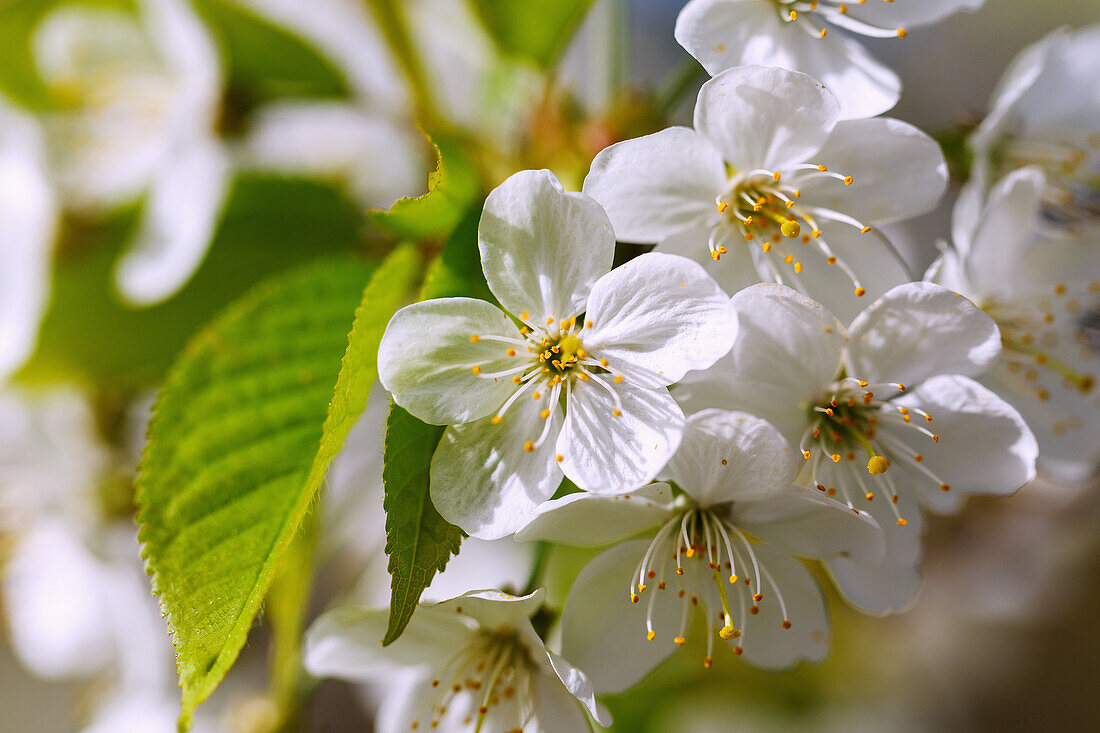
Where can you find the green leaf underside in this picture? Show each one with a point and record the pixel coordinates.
(538, 30)
(232, 462)
(419, 541)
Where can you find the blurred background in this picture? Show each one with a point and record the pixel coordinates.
(166, 156)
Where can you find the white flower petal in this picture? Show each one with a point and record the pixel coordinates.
(426, 359)
(555, 709)
(579, 686)
(897, 171)
(765, 118)
(608, 454)
(984, 446)
(542, 248)
(910, 13)
(893, 583)
(178, 222)
(733, 272)
(588, 519)
(872, 259)
(787, 352)
(56, 603)
(603, 633)
(339, 141)
(731, 456)
(493, 609)
(807, 523)
(483, 478)
(657, 317)
(996, 248)
(347, 642)
(766, 643)
(719, 32)
(918, 330)
(28, 215)
(655, 186)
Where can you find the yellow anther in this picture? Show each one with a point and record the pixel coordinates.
(790, 229)
(715, 256)
(864, 230)
(766, 246)
(603, 362)
(651, 636)
(517, 379)
(806, 454)
(815, 233)
(860, 292)
(869, 496)
(529, 446)
(902, 522)
(634, 598)
(679, 640)
(793, 15)
(545, 414)
(902, 33)
(618, 379)
(510, 352)
(785, 624)
(775, 176)
(835, 457)
(733, 579)
(496, 419)
(617, 413)
(945, 487)
(848, 180)
(559, 458)
(822, 168)
(474, 339)
(877, 465)
(707, 661)
(823, 33)
(728, 633)
(722, 206)
(476, 369)
(524, 315)
(798, 267)
(536, 396)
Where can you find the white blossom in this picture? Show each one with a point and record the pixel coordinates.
(886, 412)
(725, 546)
(771, 186)
(795, 34)
(1041, 284)
(469, 663)
(602, 345)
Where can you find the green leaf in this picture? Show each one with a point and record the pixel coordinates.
(418, 540)
(538, 30)
(456, 271)
(232, 461)
(451, 190)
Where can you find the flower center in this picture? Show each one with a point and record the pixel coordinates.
(1040, 336)
(801, 12)
(550, 360)
(491, 675)
(763, 207)
(697, 555)
(846, 425)
(1072, 195)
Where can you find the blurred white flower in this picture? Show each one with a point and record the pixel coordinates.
(1045, 112)
(793, 34)
(1041, 284)
(368, 142)
(139, 100)
(771, 186)
(470, 663)
(28, 212)
(886, 409)
(609, 343)
(736, 472)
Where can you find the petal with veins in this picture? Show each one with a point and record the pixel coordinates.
(542, 249)
(658, 185)
(918, 330)
(427, 359)
(657, 317)
(485, 480)
(589, 519)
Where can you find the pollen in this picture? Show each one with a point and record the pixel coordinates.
(496, 420)
(790, 229)
(529, 446)
(728, 633)
(474, 339)
(679, 640)
(848, 180)
(785, 624)
(902, 33)
(476, 369)
(901, 522)
(877, 465)
(651, 635)
(860, 292)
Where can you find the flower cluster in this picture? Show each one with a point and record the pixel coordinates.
(709, 371)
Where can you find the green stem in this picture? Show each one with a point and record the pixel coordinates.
(534, 579)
